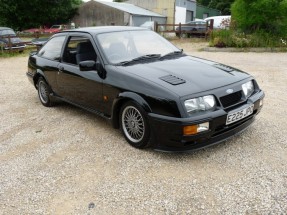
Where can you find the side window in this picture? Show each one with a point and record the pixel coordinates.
(79, 49)
(52, 49)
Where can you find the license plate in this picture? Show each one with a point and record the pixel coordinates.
(238, 115)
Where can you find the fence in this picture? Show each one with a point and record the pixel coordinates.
(188, 29)
(7, 44)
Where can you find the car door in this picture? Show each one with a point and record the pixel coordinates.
(48, 59)
(80, 87)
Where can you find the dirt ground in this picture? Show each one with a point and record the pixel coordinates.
(64, 160)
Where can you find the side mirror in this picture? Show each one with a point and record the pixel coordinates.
(87, 65)
(33, 53)
(90, 65)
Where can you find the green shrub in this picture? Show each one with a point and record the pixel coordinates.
(253, 16)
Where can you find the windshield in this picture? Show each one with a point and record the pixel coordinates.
(127, 45)
(55, 26)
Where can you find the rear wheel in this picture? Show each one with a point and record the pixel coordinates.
(44, 92)
(134, 125)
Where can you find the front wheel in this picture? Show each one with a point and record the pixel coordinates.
(134, 125)
(44, 92)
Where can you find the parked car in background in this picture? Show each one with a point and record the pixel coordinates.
(32, 31)
(192, 27)
(157, 95)
(8, 34)
(39, 41)
(220, 22)
(55, 29)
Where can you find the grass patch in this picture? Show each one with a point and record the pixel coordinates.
(25, 53)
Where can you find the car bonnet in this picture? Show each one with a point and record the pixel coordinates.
(187, 75)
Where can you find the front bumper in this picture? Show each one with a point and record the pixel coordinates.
(15, 47)
(168, 131)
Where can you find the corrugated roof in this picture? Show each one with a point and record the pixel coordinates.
(130, 8)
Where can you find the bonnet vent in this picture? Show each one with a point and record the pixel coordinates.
(172, 80)
(224, 67)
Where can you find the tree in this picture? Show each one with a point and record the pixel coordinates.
(203, 2)
(261, 15)
(23, 14)
(222, 5)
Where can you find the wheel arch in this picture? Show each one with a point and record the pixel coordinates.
(123, 98)
(38, 75)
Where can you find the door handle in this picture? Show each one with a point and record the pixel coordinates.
(61, 68)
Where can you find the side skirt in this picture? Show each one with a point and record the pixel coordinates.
(91, 110)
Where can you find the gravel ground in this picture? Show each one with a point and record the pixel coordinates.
(63, 160)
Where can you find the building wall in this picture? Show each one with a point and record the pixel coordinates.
(168, 8)
(163, 7)
(201, 10)
(190, 6)
(96, 14)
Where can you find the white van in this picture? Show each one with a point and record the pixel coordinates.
(220, 22)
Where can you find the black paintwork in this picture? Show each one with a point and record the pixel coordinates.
(104, 87)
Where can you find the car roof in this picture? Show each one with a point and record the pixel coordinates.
(5, 28)
(103, 29)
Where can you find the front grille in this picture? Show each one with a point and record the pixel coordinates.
(231, 99)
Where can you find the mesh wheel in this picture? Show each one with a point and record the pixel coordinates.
(44, 92)
(134, 125)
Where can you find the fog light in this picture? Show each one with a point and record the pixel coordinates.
(261, 102)
(194, 129)
(203, 127)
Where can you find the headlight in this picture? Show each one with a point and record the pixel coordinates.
(248, 88)
(200, 104)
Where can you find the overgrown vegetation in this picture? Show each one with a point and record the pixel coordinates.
(232, 38)
(255, 23)
(251, 16)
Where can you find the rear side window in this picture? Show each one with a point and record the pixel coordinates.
(52, 49)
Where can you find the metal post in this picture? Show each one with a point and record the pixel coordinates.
(9, 43)
(155, 26)
(179, 28)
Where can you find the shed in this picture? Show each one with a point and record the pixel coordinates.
(99, 13)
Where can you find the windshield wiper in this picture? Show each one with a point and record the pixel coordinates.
(144, 57)
(172, 54)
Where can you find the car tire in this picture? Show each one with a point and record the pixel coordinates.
(134, 125)
(44, 92)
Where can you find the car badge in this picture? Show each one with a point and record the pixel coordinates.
(229, 91)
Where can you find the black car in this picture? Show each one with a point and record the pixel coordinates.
(7, 34)
(157, 95)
